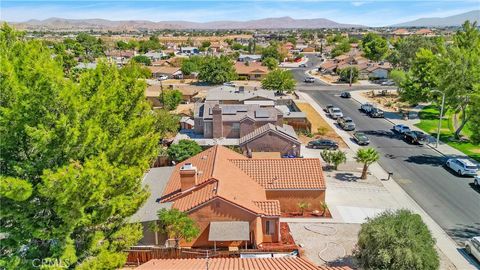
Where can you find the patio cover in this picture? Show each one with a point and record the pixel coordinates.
(229, 231)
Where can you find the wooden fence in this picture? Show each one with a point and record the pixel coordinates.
(140, 255)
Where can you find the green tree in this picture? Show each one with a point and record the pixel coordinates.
(398, 76)
(177, 225)
(341, 48)
(142, 59)
(279, 80)
(272, 51)
(183, 150)
(270, 62)
(334, 157)
(171, 98)
(168, 123)
(303, 206)
(217, 70)
(237, 46)
(405, 49)
(375, 47)
(367, 156)
(191, 64)
(396, 240)
(347, 73)
(421, 78)
(72, 157)
(458, 73)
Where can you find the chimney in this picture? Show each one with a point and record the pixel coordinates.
(188, 176)
(217, 123)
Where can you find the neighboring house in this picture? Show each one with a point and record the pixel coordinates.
(186, 123)
(424, 32)
(377, 72)
(189, 50)
(308, 50)
(169, 71)
(271, 138)
(284, 263)
(90, 65)
(214, 120)
(155, 56)
(237, 201)
(251, 70)
(119, 57)
(250, 58)
(232, 95)
(401, 32)
(155, 180)
(153, 92)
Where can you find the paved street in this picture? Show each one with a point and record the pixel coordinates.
(448, 199)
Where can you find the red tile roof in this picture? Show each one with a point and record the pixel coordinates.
(287, 263)
(251, 68)
(226, 174)
(284, 173)
(269, 207)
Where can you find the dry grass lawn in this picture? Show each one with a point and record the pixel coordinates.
(318, 124)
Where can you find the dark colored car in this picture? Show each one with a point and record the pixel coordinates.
(323, 144)
(375, 113)
(309, 79)
(366, 107)
(328, 107)
(345, 95)
(360, 138)
(415, 137)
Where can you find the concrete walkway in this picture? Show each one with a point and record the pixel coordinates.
(444, 242)
(395, 119)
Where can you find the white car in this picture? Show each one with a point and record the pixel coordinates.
(476, 181)
(229, 84)
(335, 112)
(401, 128)
(462, 166)
(388, 83)
(162, 77)
(472, 246)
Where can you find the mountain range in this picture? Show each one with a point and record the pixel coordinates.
(101, 24)
(454, 20)
(268, 23)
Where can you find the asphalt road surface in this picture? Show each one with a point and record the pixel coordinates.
(450, 200)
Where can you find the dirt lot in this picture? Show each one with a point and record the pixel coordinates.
(318, 124)
(389, 102)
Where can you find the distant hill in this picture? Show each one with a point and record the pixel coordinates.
(101, 24)
(455, 20)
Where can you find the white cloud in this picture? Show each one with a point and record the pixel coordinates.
(357, 4)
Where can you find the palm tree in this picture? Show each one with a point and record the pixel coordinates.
(303, 206)
(366, 156)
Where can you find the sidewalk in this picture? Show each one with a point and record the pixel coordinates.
(444, 242)
(395, 119)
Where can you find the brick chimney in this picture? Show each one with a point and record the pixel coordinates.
(280, 119)
(217, 123)
(188, 176)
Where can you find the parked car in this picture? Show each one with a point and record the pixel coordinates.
(345, 95)
(360, 138)
(476, 181)
(346, 123)
(335, 112)
(472, 246)
(229, 84)
(366, 107)
(388, 83)
(415, 137)
(401, 128)
(303, 65)
(309, 79)
(162, 78)
(323, 144)
(375, 113)
(328, 107)
(462, 166)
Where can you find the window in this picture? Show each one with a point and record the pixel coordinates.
(270, 227)
(236, 126)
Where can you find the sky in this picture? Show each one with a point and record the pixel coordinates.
(364, 12)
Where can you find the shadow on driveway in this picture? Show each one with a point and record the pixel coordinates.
(347, 177)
